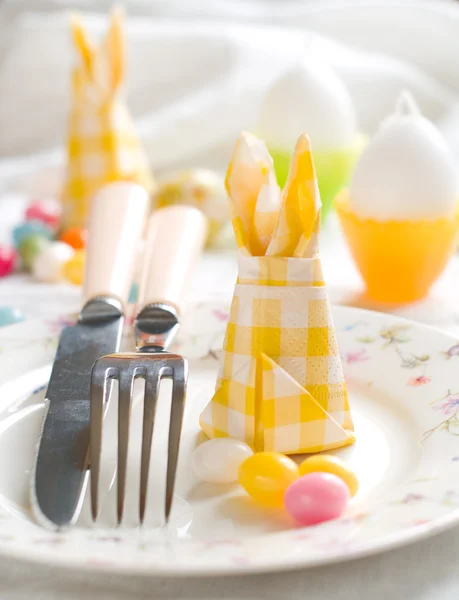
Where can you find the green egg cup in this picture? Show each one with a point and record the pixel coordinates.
(333, 169)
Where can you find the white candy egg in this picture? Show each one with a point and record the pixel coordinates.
(218, 460)
(407, 171)
(309, 98)
(47, 266)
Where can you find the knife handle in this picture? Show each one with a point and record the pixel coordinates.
(175, 239)
(116, 222)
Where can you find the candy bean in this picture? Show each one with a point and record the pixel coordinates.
(48, 264)
(218, 460)
(10, 315)
(73, 269)
(266, 476)
(75, 237)
(133, 293)
(47, 211)
(29, 228)
(316, 498)
(8, 260)
(323, 463)
(30, 247)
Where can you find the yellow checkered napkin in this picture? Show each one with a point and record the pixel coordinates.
(102, 144)
(281, 385)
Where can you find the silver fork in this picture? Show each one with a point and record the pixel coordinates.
(175, 239)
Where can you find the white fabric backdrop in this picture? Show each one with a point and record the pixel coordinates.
(194, 83)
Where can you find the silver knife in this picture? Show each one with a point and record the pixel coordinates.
(60, 475)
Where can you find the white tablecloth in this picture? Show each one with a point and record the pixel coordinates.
(427, 570)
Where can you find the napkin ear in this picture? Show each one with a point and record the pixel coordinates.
(251, 168)
(115, 47)
(81, 42)
(300, 208)
(105, 63)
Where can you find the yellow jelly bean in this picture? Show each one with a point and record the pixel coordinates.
(74, 268)
(325, 463)
(265, 476)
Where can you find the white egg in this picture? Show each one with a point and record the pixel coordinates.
(218, 460)
(47, 266)
(407, 171)
(309, 98)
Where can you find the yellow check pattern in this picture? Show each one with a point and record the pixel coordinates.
(281, 385)
(102, 145)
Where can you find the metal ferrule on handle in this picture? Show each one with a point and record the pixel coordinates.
(155, 327)
(101, 308)
(175, 239)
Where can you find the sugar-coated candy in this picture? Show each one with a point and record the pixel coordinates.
(326, 463)
(48, 264)
(316, 497)
(266, 475)
(73, 269)
(218, 460)
(47, 211)
(29, 228)
(75, 237)
(10, 315)
(201, 188)
(8, 260)
(30, 247)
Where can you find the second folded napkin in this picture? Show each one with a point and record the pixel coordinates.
(281, 385)
(102, 144)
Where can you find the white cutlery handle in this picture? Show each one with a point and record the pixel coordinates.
(116, 222)
(175, 239)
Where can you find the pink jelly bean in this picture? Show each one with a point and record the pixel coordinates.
(316, 497)
(47, 211)
(8, 260)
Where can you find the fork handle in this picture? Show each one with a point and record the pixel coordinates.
(175, 239)
(116, 222)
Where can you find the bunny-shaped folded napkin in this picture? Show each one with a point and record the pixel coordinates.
(281, 386)
(102, 144)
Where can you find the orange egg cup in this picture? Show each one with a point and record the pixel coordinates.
(398, 260)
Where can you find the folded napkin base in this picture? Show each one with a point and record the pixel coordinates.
(286, 417)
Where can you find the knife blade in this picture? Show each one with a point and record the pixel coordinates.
(60, 472)
(62, 461)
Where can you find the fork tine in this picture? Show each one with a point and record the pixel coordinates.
(149, 413)
(97, 392)
(179, 376)
(124, 417)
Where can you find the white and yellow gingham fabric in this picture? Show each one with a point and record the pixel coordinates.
(281, 386)
(102, 144)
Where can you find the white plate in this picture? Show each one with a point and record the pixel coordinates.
(403, 380)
